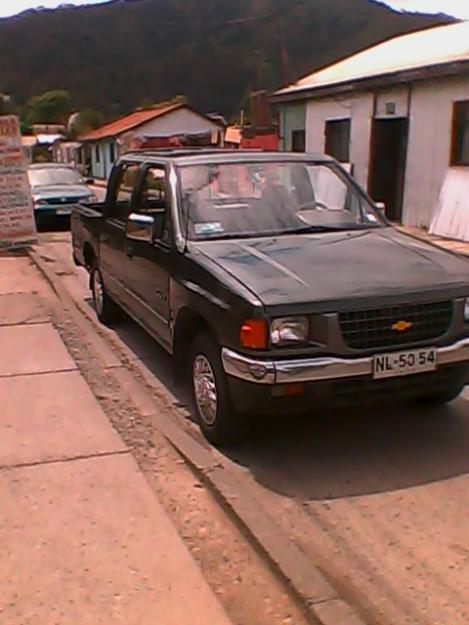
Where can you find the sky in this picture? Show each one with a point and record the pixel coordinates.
(458, 8)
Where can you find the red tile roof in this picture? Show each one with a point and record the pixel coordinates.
(128, 122)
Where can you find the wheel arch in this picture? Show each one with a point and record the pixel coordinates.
(189, 324)
(89, 255)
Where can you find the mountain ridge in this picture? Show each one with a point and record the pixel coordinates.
(213, 51)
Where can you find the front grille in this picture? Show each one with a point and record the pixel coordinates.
(61, 201)
(372, 329)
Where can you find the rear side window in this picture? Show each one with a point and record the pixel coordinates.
(126, 181)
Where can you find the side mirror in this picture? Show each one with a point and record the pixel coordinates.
(381, 208)
(140, 227)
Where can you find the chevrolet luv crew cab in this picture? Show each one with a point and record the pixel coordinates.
(275, 282)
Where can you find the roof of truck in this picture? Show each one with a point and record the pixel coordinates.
(200, 156)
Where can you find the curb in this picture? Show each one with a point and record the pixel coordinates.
(321, 601)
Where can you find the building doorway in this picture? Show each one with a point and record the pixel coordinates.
(388, 155)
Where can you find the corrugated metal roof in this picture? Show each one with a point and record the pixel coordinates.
(129, 122)
(426, 48)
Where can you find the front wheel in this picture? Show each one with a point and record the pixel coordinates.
(107, 310)
(218, 421)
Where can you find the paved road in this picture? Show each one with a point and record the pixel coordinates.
(378, 498)
(99, 191)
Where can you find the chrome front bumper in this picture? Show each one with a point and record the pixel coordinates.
(317, 369)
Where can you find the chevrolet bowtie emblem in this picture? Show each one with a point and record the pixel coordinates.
(402, 326)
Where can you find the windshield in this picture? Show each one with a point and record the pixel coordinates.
(270, 198)
(53, 176)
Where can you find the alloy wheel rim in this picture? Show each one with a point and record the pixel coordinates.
(205, 389)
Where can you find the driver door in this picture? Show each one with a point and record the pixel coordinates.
(150, 255)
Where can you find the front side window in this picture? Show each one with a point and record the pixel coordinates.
(270, 198)
(460, 147)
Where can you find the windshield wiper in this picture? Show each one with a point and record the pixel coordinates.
(276, 233)
(328, 228)
(235, 235)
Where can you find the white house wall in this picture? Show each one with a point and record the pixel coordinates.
(359, 109)
(429, 148)
(292, 117)
(399, 98)
(181, 121)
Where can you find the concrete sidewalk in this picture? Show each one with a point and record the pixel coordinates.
(83, 539)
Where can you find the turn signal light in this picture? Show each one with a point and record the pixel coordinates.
(253, 334)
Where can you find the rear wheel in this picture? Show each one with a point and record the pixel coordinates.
(107, 310)
(219, 422)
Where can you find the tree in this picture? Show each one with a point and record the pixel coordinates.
(91, 118)
(51, 107)
(82, 122)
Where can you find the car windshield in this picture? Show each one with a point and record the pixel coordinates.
(54, 176)
(239, 200)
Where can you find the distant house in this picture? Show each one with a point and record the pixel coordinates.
(156, 127)
(68, 152)
(260, 133)
(29, 142)
(233, 137)
(398, 114)
(41, 143)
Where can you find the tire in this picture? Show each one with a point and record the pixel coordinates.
(107, 311)
(219, 423)
(445, 396)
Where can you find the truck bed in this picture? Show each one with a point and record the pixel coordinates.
(85, 225)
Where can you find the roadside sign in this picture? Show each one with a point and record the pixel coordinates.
(17, 226)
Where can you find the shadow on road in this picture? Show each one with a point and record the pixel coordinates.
(154, 357)
(359, 452)
(337, 454)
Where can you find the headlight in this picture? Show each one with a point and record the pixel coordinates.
(88, 199)
(466, 310)
(38, 202)
(288, 330)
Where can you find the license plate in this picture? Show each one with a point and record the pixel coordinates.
(404, 363)
(63, 211)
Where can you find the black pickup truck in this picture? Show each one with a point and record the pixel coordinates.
(275, 282)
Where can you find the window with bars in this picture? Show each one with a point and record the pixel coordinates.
(338, 139)
(298, 141)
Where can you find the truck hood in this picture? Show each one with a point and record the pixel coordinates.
(337, 271)
(61, 191)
